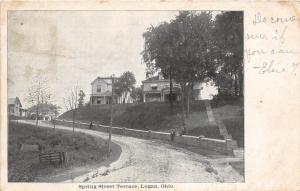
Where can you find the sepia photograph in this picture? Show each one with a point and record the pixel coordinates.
(125, 96)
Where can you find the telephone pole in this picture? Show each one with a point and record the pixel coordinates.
(111, 113)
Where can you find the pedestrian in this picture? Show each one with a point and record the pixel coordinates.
(183, 131)
(172, 135)
(91, 125)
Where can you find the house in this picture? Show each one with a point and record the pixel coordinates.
(158, 89)
(24, 113)
(102, 92)
(45, 111)
(14, 107)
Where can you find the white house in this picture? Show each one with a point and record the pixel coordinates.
(45, 111)
(14, 107)
(102, 92)
(158, 89)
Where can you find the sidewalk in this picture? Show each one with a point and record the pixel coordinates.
(214, 119)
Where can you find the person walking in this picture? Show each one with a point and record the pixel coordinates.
(91, 125)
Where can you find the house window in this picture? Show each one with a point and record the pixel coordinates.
(154, 87)
(99, 101)
(98, 88)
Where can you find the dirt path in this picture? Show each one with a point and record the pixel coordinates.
(151, 161)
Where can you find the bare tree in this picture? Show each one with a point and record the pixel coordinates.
(71, 104)
(38, 94)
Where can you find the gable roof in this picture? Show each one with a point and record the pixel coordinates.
(44, 107)
(104, 79)
(155, 79)
(12, 101)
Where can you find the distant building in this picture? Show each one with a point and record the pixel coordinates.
(24, 113)
(158, 89)
(102, 92)
(14, 107)
(45, 111)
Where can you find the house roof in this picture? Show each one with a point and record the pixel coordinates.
(103, 78)
(12, 101)
(155, 79)
(44, 108)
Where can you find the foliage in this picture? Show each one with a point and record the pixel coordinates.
(38, 93)
(195, 47)
(228, 40)
(81, 98)
(137, 94)
(46, 107)
(71, 103)
(125, 83)
(181, 48)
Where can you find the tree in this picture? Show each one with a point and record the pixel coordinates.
(124, 84)
(158, 54)
(81, 98)
(228, 35)
(182, 50)
(137, 94)
(38, 94)
(71, 104)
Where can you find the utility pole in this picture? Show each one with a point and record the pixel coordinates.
(111, 113)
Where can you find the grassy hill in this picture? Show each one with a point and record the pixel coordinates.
(232, 115)
(24, 166)
(156, 116)
(147, 116)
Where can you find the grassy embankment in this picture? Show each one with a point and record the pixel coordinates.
(24, 166)
(232, 115)
(156, 116)
(149, 116)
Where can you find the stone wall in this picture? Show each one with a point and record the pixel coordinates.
(221, 146)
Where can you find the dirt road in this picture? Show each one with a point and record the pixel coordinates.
(151, 161)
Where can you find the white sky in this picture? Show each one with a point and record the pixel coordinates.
(72, 47)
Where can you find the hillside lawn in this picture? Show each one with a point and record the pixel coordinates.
(24, 166)
(232, 115)
(156, 116)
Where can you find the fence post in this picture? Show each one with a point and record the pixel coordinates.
(149, 134)
(229, 146)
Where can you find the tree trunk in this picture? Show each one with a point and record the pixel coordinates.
(241, 82)
(236, 85)
(171, 94)
(192, 95)
(73, 125)
(182, 104)
(187, 95)
(37, 113)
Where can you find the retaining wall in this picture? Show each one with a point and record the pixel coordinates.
(221, 146)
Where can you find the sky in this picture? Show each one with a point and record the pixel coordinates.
(75, 47)
(70, 47)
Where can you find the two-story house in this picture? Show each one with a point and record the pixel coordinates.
(158, 89)
(102, 92)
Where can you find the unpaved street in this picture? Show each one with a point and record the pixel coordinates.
(152, 161)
